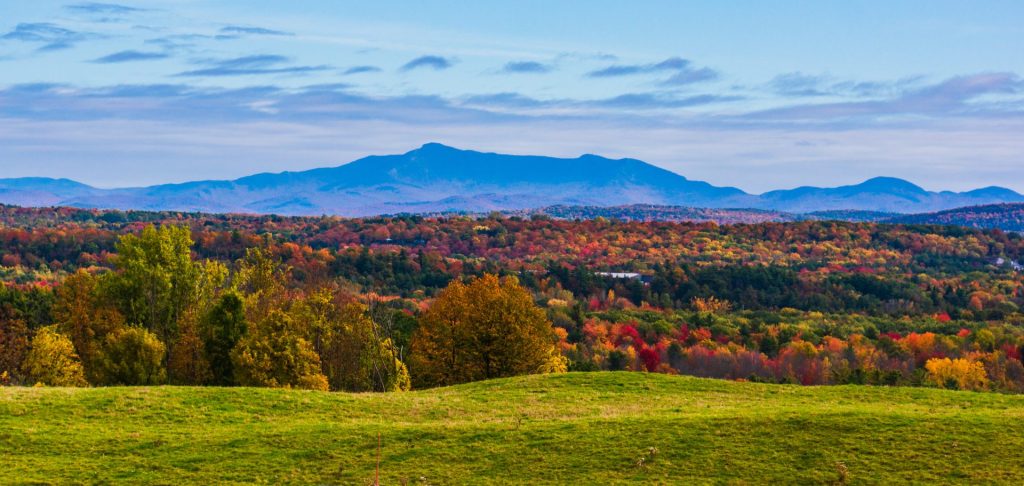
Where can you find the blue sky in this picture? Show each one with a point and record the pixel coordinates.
(759, 95)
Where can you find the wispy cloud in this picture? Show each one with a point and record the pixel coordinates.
(517, 67)
(237, 31)
(102, 8)
(361, 69)
(798, 84)
(436, 63)
(52, 36)
(252, 65)
(130, 56)
(670, 64)
(682, 71)
(660, 100)
(957, 96)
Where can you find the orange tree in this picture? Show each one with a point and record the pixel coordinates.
(486, 328)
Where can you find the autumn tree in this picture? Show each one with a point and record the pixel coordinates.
(132, 356)
(958, 374)
(188, 363)
(85, 316)
(274, 354)
(487, 328)
(52, 360)
(14, 344)
(357, 355)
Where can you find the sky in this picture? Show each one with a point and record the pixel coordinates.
(756, 95)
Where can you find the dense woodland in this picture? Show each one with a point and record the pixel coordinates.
(108, 297)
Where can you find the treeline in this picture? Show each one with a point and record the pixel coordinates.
(162, 316)
(279, 316)
(872, 268)
(790, 346)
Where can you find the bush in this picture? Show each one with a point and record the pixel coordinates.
(52, 360)
(132, 356)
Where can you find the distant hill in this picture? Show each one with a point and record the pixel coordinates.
(1008, 217)
(650, 212)
(881, 194)
(437, 178)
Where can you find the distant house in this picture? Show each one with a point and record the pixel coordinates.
(1014, 264)
(625, 276)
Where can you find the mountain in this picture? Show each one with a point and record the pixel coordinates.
(437, 178)
(881, 194)
(1008, 217)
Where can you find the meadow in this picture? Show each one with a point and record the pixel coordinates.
(573, 428)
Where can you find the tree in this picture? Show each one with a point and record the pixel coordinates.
(222, 328)
(14, 344)
(274, 354)
(957, 374)
(488, 328)
(83, 315)
(358, 357)
(157, 282)
(52, 360)
(132, 356)
(188, 364)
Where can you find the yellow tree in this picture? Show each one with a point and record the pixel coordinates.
(962, 374)
(52, 360)
(488, 328)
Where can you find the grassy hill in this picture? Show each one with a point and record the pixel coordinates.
(579, 428)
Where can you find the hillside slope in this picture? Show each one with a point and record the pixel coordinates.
(577, 428)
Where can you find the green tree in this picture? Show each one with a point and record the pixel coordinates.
(223, 327)
(132, 356)
(52, 360)
(488, 328)
(274, 354)
(157, 282)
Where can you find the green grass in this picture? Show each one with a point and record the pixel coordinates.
(577, 428)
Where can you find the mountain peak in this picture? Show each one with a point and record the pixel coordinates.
(435, 148)
(890, 184)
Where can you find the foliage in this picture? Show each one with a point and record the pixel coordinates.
(52, 360)
(223, 327)
(273, 354)
(132, 356)
(82, 314)
(488, 328)
(959, 374)
(14, 342)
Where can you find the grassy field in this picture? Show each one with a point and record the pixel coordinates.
(578, 428)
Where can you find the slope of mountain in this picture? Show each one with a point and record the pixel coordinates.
(436, 178)
(1008, 217)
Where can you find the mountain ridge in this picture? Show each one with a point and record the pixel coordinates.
(436, 177)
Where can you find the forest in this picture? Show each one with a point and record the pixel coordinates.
(394, 303)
